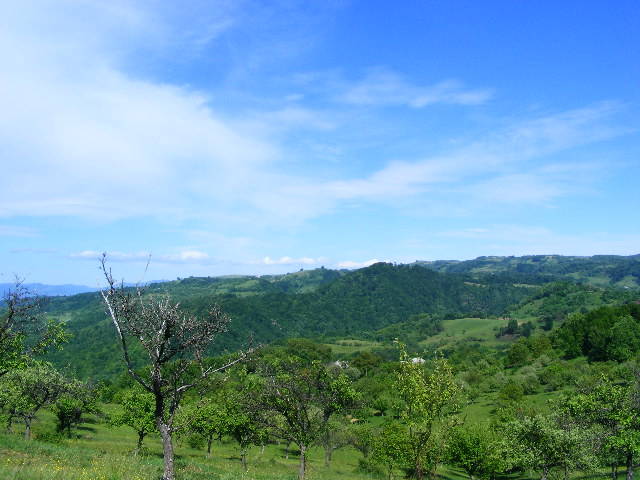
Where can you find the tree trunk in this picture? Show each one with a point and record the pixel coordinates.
(141, 436)
(419, 470)
(27, 429)
(167, 450)
(545, 473)
(629, 466)
(303, 462)
(614, 471)
(9, 422)
(209, 441)
(243, 455)
(327, 455)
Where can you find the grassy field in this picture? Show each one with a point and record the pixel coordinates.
(481, 330)
(349, 346)
(101, 452)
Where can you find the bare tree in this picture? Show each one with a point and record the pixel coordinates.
(175, 344)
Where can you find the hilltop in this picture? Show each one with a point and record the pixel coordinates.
(378, 303)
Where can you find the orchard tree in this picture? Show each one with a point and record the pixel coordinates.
(204, 418)
(24, 392)
(616, 410)
(297, 401)
(138, 413)
(541, 444)
(78, 399)
(475, 449)
(391, 448)
(243, 427)
(23, 330)
(429, 400)
(362, 437)
(175, 344)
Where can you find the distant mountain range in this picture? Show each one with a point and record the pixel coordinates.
(66, 290)
(42, 290)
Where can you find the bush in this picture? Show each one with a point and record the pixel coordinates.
(513, 391)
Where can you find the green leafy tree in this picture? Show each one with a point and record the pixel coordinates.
(429, 400)
(79, 398)
(297, 401)
(204, 418)
(244, 428)
(391, 448)
(518, 354)
(24, 392)
(362, 437)
(138, 413)
(615, 409)
(541, 444)
(23, 330)
(624, 339)
(475, 449)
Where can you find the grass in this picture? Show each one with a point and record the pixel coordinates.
(349, 346)
(481, 330)
(100, 452)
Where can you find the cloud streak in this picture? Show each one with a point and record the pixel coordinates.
(383, 87)
(183, 257)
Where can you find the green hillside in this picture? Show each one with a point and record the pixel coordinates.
(600, 270)
(378, 303)
(352, 304)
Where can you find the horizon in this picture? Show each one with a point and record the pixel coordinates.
(302, 269)
(253, 138)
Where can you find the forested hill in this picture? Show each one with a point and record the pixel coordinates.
(333, 304)
(599, 270)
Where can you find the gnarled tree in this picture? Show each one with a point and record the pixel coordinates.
(175, 344)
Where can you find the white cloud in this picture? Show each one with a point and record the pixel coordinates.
(183, 257)
(500, 160)
(352, 264)
(385, 87)
(86, 139)
(292, 261)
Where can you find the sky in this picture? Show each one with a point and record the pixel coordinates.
(258, 137)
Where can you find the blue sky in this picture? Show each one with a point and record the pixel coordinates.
(226, 137)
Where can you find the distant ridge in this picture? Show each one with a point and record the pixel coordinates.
(41, 289)
(598, 270)
(65, 290)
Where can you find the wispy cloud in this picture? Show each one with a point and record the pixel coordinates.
(351, 264)
(501, 239)
(385, 87)
(183, 257)
(500, 160)
(16, 231)
(292, 261)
